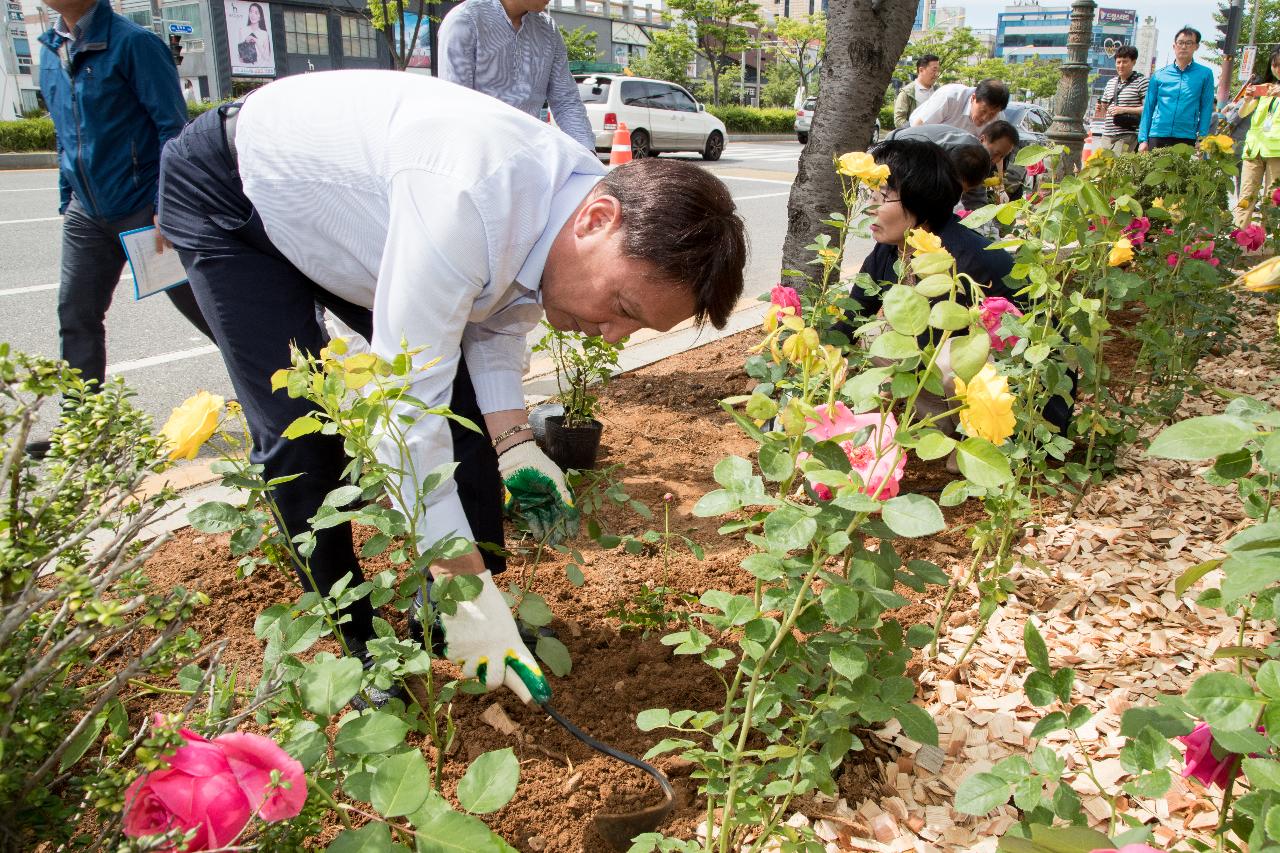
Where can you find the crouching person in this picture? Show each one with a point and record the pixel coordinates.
(360, 191)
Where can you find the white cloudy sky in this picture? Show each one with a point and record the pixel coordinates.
(1170, 15)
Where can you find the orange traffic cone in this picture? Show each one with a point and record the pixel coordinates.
(621, 152)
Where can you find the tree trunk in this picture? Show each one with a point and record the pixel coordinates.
(864, 40)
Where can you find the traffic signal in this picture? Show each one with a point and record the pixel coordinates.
(175, 48)
(1230, 28)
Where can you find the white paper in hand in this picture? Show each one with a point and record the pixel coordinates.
(152, 271)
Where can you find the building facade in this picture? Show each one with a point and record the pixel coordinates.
(948, 18)
(924, 17)
(621, 28)
(1032, 31)
(1148, 43)
(230, 46)
(18, 86)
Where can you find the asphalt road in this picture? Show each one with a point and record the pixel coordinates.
(165, 360)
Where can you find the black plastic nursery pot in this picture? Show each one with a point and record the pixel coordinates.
(573, 447)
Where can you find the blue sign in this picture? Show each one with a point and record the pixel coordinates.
(180, 28)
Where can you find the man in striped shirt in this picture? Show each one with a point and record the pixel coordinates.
(510, 50)
(1123, 96)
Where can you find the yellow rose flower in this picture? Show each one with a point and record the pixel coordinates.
(993, 181)
(1219, 143)
(1121, 253)
(988, 406)
(861, 165)
(1158, 201)
(924, 242)
(1262, 278)
(191, 424)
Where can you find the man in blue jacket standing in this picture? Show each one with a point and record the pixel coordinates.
(113, 93)
(1179, 104)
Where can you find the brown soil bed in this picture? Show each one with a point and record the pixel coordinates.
(665, 428)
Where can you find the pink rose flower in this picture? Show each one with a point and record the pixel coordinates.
(1172, 259)
(991, 310)
(1037, 168)
(822, 491)
(1275, 196)
(1201, 251)
(252, 758)
(1128, 848)
(962, 213)
(1136, 231)
(879, 462)
(1201, 761)
(197, 791)
(1251, 237)
(785, 297)
(215, 787)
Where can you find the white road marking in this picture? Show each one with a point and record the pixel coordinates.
(761, 195)
(35, 288)
(755, 180)
(164, 358)
(25, 221)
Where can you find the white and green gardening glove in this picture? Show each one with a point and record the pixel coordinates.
(481, 637)
(536, 493)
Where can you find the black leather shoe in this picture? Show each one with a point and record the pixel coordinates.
(38, 449)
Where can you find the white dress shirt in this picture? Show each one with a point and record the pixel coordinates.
(480, 49)
(948, 105)
(431, 204)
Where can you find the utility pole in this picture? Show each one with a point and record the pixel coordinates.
(1073, 86)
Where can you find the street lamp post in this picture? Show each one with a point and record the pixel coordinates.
(1073, 86)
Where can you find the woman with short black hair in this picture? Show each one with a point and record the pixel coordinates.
(922, 192)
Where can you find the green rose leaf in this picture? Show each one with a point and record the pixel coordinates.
(912, 516)
(555, 655)
(849, 661)
(935, 285)
(789, 529)
(906, 310)
(934, 445)
(982, 463)
(950, 316)
(400, 784)
(1037, 651)
(490, 782)
(1202, 438)
(1249, 572)
(440, 829)
(969, 354)
(370, 733)
(1224, 701)
(214, 517)
(329, 683)
(370, 838)
(894, 346)
(982, 792)
(917, 724)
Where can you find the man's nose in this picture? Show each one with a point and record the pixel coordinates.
(615, 332)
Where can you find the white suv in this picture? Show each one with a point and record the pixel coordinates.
(661, 116)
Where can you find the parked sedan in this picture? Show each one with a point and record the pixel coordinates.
(660, 115)
(1032, 123)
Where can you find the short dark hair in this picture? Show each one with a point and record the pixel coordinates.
(922, 61)
(1127, 51)
(1269, 76)
(999, 129)
(992, 91)
(973, 164)
(1188, 31)
(682, 220)
(924, 178)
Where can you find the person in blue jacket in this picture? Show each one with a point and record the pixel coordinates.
(1180, 96)
(112, 90)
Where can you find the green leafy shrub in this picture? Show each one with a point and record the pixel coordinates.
(755, 120)
(28, 134)
(78, 621)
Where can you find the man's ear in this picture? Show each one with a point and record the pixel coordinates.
(602, 213)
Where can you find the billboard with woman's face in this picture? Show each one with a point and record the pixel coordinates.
(249, 39)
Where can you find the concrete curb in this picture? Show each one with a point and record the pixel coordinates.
(29, 160)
